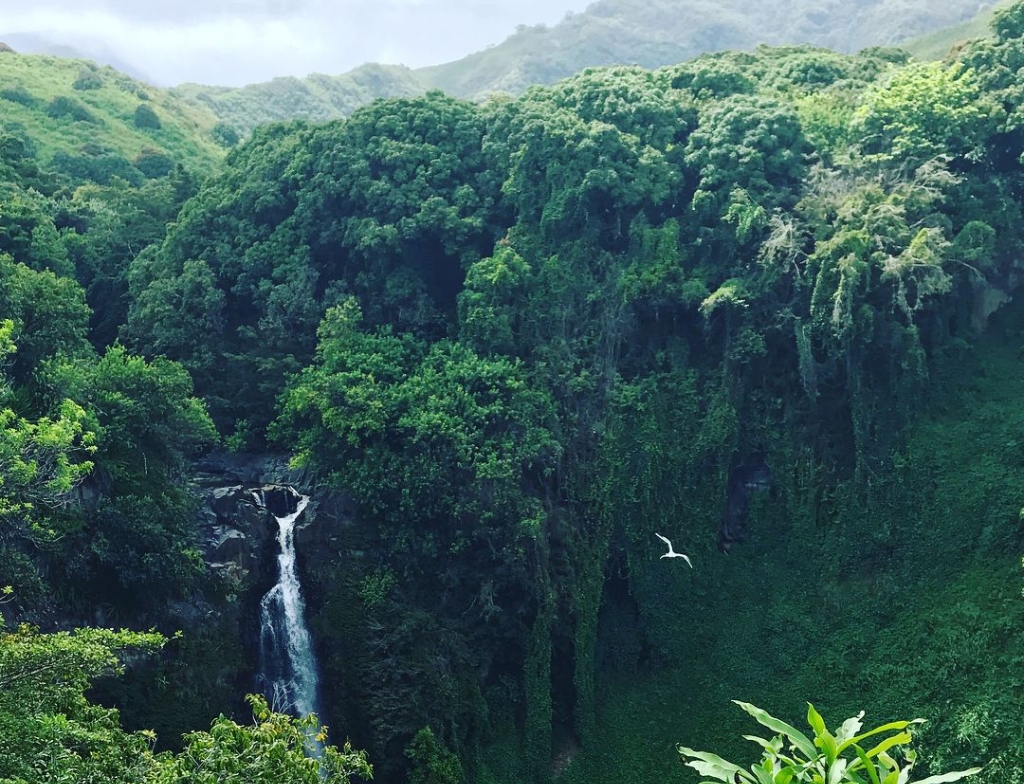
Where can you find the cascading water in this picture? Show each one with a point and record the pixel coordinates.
(286, 651)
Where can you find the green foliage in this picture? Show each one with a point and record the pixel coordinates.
(1007, 23)
(41, 460)
(137, 551)
(38, 102)
(275, 747)
(154, 163)
(925, 110)
(48, 730)
(148, 423)
(391, 206)
(316, 98)
(755, 144)
(432, 762)
(488, 311)
(145, 117)
(548, 323)
(51, 732)
(100, 167)
(792, 756)
(521, 337)
(28, 233)
(225, 135)
(666, 32)
(64, 108)
(18, 94)
(443, 438)
(88, 79)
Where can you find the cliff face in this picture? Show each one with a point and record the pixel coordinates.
(237, 535)
(240, 496)
(215, 662)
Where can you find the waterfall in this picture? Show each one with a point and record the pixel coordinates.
(287, 663)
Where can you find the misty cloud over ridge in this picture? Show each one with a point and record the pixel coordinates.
(235, 42)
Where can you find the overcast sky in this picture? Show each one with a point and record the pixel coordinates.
(234, 42)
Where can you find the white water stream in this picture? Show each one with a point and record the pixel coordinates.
(286, 651)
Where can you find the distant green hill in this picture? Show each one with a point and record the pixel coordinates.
(936, 45)
(654, 33)
(318, 97)
(650, 33)
(78, 117)
(84, 49)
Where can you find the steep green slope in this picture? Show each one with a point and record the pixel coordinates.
(903, 601)
(523, 338)
(99, 118)
(317, 97)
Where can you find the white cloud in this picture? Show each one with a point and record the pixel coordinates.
(240, 41)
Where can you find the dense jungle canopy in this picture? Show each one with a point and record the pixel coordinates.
(761, 303)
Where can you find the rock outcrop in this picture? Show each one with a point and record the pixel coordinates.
(237, 534)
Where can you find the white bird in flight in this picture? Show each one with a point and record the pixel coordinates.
(672, 553)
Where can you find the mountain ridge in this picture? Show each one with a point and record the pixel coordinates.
(649, 33)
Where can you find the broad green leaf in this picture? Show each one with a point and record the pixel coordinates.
(893, 725)
(942, 778)
(827, 744)
(774, 745)
(784, 776)
(869, 765)
(801, 741)
(888, 743)
(815, 721)
(708, 764)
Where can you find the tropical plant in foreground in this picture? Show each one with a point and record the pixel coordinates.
(844, 757)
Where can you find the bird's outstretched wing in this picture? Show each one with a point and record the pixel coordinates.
(686, 558)
(666, 541)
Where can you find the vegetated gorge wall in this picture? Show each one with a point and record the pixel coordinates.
(364, 694)
(369, 671)
(784, 552)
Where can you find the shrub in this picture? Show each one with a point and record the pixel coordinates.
(101, 169)
(18, 94)
(129, 85)
(145, 117)
(66, 108)
(224, 135)
(154, 163)
(87, 79)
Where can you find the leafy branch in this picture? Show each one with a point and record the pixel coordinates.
(829, 758)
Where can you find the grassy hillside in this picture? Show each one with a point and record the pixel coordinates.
(97, 117)
(936, 45)
(317, 97)
(84, 49)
